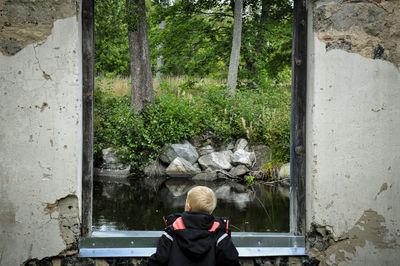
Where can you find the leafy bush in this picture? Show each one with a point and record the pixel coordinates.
(260, 116)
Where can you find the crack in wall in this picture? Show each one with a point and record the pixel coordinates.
(369, 28)
(45, 75)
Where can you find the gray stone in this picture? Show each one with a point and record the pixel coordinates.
(228, 155)
(263, 155)
(210, 176)
(206, 150)
(215, 161)
(239, 170)
(112, 175)
(221, 174)
(230, 146)
(114, 166)
(240, 144)
(110, 156)
(185, 151)
(197, 166)
(284, 171)
(179, 167)
(155, 169)
(243, 157)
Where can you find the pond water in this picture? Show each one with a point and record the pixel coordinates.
(140, 204)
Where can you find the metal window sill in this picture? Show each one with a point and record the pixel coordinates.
(143, 244)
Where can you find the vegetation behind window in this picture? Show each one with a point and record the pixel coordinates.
(191, 99)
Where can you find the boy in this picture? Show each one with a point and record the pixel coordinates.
(196, 237)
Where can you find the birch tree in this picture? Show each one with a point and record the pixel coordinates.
(235, 52)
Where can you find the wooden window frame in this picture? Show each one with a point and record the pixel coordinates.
(249, 244)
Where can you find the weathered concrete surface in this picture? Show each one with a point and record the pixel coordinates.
(24, 22)
(353, 129)
(40, 140)
(76, 261)
(367, 27)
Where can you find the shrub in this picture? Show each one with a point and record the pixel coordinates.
(260, 116)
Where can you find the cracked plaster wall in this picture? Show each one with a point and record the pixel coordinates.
(353, 129)
(40, 133)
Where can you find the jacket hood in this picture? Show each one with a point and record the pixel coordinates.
(196, 240)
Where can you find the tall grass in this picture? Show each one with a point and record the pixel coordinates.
(184, 108)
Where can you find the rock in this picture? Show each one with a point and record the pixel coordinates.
(210, 176)
(258, 175)
(239, 170)
(178, 188)
(240, 144)
(112, 175)
(179, 167)
(155, 169)
(206, 150)
(215, 161)
(197, 166)
(228, 155)
(263, 154)
(284, 171)
(221, 174)
(185, 151)
(230, 146)
(117, 166)
(110, 156)
(243, 157)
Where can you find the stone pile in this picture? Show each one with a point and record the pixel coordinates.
(207, 163)
(111, 170)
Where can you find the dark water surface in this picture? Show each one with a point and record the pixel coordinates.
(141, 203)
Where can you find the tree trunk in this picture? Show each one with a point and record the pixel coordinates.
(262, 27)
(236, 41)
(142, 80)
(160, 61)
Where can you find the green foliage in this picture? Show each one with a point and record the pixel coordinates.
(249, 180)
(261, 117)
(197, 39)
(111, 38)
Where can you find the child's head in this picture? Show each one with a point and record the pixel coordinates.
(201, 199)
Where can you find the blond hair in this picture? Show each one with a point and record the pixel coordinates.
(201, 198)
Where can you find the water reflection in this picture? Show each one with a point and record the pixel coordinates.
(141, 204)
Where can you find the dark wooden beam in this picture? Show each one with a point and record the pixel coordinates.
(87, 106)
(298, 120)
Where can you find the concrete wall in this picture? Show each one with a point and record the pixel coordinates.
(353, 129)
(40, 132)
(353, 124)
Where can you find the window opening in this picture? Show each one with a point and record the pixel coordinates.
(110, 214)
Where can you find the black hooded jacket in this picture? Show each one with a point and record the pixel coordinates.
(195, 244)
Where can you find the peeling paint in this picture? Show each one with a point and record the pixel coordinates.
(369, 28)
(370, 227)
(66, 211)
(25, 22)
